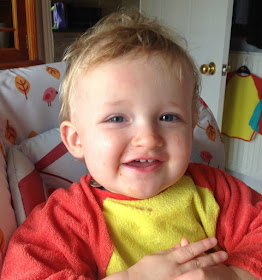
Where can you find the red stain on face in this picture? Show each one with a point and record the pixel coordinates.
(177, 140)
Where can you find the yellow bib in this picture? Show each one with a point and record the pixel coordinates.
(141, 227)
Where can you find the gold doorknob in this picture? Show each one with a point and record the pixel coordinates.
(208, 68)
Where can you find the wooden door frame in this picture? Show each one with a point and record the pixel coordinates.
(31, 29)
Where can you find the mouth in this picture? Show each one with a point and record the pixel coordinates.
(144, 164)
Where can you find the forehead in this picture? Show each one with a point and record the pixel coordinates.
(136, 80)
(127, 69)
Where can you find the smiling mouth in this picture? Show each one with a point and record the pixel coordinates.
(143, 163)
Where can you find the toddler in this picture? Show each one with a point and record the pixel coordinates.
(129, 109)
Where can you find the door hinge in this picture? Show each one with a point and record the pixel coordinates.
(226, 68)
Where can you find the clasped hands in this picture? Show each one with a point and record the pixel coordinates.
(182, 262)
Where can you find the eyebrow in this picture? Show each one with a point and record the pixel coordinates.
(123, 101)
(117, 102)
(173, 103)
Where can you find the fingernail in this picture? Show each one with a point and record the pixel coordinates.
(224, 255)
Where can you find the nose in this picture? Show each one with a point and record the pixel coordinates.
(147, 140)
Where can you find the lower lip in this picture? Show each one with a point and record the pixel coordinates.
(151, 168)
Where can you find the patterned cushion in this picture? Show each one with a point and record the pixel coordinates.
(208, 146)
(37, 167)
(28, 106)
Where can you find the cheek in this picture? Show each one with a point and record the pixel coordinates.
(104, 148)
(107, 142)
(176, 140)
(181, 143)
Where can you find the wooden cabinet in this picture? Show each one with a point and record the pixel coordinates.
(18, 36)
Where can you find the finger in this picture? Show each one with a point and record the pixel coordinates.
(205, 261)
(193, 274)
(184, 242)
(177, 246)
(214, 272)
(190, 251)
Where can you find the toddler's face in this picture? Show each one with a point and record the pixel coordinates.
(133, 122)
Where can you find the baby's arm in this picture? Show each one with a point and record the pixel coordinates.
(174, 262)
(239, 225)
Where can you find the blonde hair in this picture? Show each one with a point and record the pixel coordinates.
(121, 34)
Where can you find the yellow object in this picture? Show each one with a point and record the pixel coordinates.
(241, 98)
(158, 223)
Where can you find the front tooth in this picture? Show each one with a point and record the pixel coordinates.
(142, 160)
(150, 160)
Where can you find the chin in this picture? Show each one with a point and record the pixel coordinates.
(144, 195)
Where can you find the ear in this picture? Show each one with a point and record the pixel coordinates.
(71, 139)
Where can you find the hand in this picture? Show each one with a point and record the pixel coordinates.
(218, 272)
(215, 272)
(175, 262)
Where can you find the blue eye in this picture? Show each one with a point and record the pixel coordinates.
(168, 118)
(117, 119)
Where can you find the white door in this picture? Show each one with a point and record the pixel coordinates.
(206, 25)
